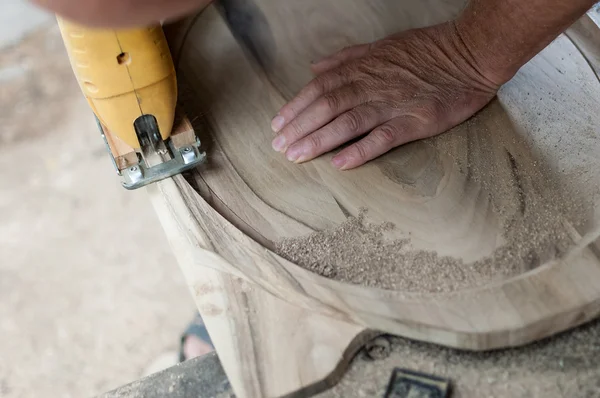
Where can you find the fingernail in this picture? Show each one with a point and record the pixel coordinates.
(293, 154)
(339, 161)
(278, 143)
(277, 123)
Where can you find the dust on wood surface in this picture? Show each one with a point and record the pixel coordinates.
(480, 202)
(535, 214)
(563, 366)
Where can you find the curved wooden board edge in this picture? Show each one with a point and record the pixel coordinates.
(352, 349)
(585, 35)
(535, 305)
(268, 347)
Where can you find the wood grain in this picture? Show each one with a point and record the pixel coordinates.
(222, 222)
(268, 347)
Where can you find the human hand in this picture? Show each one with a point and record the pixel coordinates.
(121, 13)
(406, 87)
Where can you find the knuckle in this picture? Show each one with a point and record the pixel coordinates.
(424, 112)
(332, 102)
(432, 110)
(306, 93)
(320, 84)
(344, 74)
(314, 142)
(360, 149)
(352, 121)
(361, 89)
(440, 109)
(386, 135)
(295, 129)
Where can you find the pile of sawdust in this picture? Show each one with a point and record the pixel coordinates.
(535, 214)
(357, 252)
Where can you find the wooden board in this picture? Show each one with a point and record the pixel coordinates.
(268, 347)
(264, 312)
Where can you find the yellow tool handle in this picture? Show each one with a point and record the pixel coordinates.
(124, 74)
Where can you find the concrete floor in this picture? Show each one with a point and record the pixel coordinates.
(90, 292)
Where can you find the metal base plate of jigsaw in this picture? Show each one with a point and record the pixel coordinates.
(156, 159)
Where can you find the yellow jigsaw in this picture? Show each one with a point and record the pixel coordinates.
(128, 78)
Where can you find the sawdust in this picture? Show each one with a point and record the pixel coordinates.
(537, 216)
(563, 366)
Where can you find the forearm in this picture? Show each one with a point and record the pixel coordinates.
(502, 35)
(121, 13)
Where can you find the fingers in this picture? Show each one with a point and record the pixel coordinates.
(339, 58)
(316, 115)
(342, 103)
(346, 127)
(396, 132)
(309, 94)
(121, 13)
(321, 85)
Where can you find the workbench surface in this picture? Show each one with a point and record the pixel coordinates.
(566, 365)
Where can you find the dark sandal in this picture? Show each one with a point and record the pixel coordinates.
(195, 328)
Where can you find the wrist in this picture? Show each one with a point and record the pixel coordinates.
(500, 36)
(495, 64)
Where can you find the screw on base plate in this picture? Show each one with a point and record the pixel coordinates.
(135, 174)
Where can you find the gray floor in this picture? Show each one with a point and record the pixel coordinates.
(90, 292)
(17, 19)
